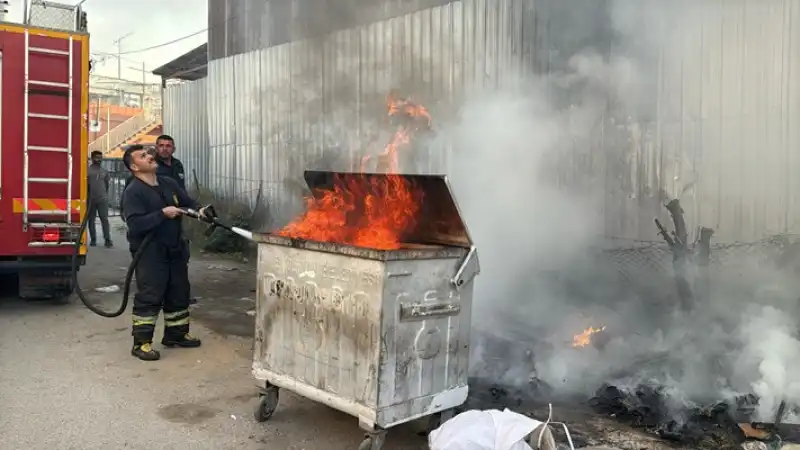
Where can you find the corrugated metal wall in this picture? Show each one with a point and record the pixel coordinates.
(240, 26)
(186, 120)
(716, 126)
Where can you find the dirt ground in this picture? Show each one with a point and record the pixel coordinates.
(68, 381)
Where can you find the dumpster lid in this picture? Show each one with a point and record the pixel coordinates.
(439, 219)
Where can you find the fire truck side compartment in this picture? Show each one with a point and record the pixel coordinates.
(22, 249)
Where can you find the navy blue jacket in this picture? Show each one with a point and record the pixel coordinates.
(143, 215)
(174, 170)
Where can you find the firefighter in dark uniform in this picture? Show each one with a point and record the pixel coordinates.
(170, 166)
(152, 205)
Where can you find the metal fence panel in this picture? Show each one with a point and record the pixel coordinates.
(118, 175)
(247, 156)
(713, 126)
(240, 26)
(186, 119)
(329, 94)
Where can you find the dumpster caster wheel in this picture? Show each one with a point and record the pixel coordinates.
(267, 403)
(373, 442)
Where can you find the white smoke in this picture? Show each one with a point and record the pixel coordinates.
(535, 224)
(773, 348)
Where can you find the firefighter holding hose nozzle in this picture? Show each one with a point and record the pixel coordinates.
(153, 206)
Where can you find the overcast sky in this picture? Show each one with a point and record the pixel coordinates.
(151, 22)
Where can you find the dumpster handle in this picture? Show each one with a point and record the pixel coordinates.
(467, 270)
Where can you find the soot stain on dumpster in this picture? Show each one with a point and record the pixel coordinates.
(187, 413)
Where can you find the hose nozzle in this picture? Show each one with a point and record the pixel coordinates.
(210, 217)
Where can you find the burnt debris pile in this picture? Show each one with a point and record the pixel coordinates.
(652, 408)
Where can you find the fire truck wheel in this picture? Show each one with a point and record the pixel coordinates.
(65, 299)
(54, 288)
(62, 292)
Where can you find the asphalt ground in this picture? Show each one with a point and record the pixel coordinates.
(68, 382)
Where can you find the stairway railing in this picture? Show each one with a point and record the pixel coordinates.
(122, 132)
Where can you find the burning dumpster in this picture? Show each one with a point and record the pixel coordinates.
(367, 309)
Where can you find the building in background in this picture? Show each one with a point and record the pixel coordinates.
(122, 112)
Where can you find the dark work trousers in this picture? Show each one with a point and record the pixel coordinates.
(162, 283)
(188, 256)
(99, 208)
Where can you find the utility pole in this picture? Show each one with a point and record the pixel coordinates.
(118, 43)
(143, 69)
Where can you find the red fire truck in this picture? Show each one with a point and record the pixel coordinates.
(44, 98)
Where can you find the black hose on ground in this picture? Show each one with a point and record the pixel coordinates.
(211, 219)
(76, 287)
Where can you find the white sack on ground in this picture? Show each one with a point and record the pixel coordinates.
(488, 430)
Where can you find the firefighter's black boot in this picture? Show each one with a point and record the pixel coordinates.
(145, 351)
(183, 340)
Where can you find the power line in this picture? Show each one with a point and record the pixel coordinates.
(103, 57)
(164, 44)
(176, 40)
(183, 38)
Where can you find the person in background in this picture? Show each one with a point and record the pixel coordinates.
(171, 167)
(168, 165)
(98, 181)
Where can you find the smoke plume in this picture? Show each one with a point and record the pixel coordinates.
(531, 174)
(560, 172)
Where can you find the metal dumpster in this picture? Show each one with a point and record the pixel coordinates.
(382, 335)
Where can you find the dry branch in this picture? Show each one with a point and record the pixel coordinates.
(685, 256)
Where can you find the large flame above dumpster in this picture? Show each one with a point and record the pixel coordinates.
(368, 212)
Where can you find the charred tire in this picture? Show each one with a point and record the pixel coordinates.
(267, 404)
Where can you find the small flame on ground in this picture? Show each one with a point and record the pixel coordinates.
(585, 338)
(367, 212)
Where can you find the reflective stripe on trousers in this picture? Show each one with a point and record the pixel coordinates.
(177, 318)
(139, 321)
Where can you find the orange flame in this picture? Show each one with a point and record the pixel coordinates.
(585, 338)
(366, 212)
(405, 107)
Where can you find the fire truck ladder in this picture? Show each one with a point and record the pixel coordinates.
(67, 149)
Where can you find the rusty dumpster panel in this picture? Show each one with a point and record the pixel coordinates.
(317, 324)
(384, 339)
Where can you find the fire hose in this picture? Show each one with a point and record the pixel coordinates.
(210, 217)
